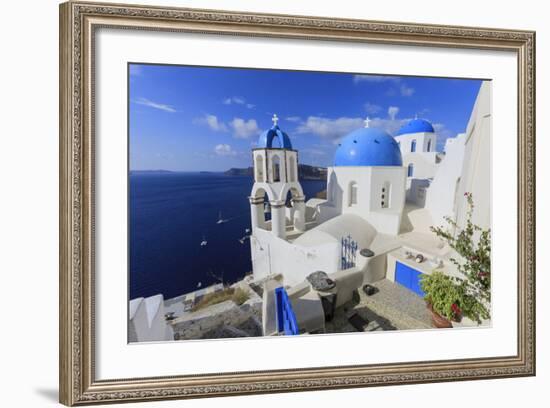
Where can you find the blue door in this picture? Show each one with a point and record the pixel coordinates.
(286, 319)
(408, 277)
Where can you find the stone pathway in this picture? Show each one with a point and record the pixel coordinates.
(392, 307)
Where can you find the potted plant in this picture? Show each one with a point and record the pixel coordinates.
(443, 295)
(468, 294)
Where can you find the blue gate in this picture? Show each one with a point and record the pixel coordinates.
(286, 319)
(348, 252)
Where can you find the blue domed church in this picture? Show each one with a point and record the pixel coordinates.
(367, 179)
(383, 194)
(365, 198)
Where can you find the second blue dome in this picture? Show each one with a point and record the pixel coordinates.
(368, 147)
(416, 126)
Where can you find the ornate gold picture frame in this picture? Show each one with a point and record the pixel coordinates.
(78, 24)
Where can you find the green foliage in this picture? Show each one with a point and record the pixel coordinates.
(472, 291)
(442, 291)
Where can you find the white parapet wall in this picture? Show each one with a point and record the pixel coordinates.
(147, 321)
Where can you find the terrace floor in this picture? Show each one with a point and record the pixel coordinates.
(392, 307)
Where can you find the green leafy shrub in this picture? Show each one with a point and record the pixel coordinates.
(471, 292)
(444, 294)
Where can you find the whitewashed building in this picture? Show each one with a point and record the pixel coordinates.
(383, 194)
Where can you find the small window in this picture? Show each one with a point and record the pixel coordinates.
(352, 193)
(385, 195)
(259, 169)
(429, 145)
(410, 170)
(413, 146)
(276, 169)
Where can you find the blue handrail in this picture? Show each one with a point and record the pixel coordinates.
(286, 319)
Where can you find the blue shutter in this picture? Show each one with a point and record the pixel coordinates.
(408, 277)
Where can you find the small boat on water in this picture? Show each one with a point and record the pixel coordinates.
(221, 220)
(204, 242)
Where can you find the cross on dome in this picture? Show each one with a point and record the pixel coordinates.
(367, 121)
(275, 119)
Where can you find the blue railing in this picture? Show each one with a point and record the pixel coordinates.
(348, 252)
(286, 319)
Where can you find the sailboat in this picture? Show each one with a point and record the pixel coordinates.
(204, 242)
(220, 219)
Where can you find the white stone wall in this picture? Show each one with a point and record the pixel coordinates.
(369, 181)
(476, 172)
(424, 164)
(423, 139)
(147, 322)
(466, 168)
(272, 256)
(444, 192)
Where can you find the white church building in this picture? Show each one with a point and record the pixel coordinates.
(383, 194)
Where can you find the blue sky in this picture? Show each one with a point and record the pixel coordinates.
(208, 119)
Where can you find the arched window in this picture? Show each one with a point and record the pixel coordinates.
(410, 170)
(276, 169)
(429, 145)
(292, 170)
(413, 146)
(352, 194)
(259, 169)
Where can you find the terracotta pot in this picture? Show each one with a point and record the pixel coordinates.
(439, 321)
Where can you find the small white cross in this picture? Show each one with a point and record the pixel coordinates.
(275, 119)
(367, 121)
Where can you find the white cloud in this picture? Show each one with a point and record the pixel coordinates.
(392, 112)
(224, 150)
(155, 105)
(443, 133)
(243, 129)
(396, 82)
(237, 100)
(405, 90)
(136, 70)
(332, 129)
(374, 78)
(371, 108)
(212, 122)
(293, 119)
(388, 124)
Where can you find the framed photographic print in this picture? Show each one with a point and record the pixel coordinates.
(260, 203)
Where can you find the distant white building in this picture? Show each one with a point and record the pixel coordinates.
(383, 194)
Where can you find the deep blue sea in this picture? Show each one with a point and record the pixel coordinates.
(170, 213)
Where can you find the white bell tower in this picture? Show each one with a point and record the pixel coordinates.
(275, 175)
